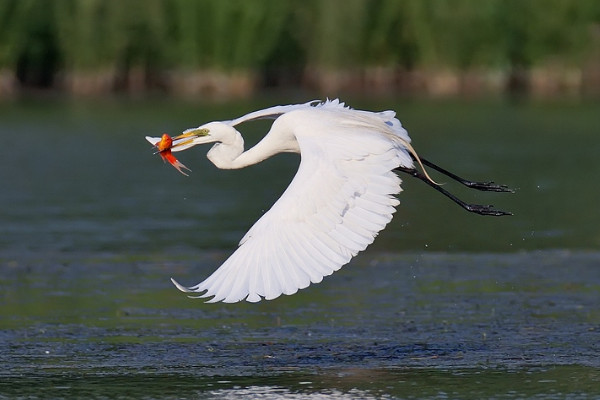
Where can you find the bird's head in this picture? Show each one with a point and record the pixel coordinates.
(228, 143)
(207, 133)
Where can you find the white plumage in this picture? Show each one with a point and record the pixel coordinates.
(342, 196)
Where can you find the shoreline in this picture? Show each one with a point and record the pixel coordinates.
(539, 82)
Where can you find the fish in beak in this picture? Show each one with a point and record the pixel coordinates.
(164, 147)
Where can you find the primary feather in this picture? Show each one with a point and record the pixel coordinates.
(342, 196)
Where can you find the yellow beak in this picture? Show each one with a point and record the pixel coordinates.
(190, 135)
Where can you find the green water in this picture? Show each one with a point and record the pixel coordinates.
(443, 305)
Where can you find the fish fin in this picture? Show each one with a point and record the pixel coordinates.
(167, 156)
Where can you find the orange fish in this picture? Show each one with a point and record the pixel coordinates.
(164, 149)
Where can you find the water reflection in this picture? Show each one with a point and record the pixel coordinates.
(278, 392)
(556, 382)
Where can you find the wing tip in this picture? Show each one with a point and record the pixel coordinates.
(181, 287)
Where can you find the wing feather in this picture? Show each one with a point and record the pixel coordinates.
(301, 279)
(342, 196)
(331, 253)
(310, 264)
(270, 113)
(281, 282)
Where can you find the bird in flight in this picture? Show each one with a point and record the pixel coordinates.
(342, 196)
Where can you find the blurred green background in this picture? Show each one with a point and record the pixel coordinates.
(235, 48)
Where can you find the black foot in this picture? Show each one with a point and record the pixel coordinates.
(487, 186)
(485, 210)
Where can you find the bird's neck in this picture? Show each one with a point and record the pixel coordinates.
(226, 151)
(230, 154)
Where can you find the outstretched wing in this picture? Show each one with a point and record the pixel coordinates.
(341, 197)
(270, 113)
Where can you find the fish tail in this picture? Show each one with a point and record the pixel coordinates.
(167, 156)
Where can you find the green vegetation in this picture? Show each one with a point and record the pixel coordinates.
(105, 45)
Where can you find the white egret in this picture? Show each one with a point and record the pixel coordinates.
(342, 196)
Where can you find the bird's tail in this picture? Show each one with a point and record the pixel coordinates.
(416, 157)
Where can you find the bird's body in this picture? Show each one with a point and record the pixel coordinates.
(342, 196)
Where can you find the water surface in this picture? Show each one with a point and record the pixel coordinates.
(443, 305)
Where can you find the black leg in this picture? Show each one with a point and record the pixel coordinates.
(485, 186)
(475, 208)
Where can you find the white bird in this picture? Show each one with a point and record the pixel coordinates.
(342, 196)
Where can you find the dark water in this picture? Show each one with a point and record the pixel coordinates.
(443, 305)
